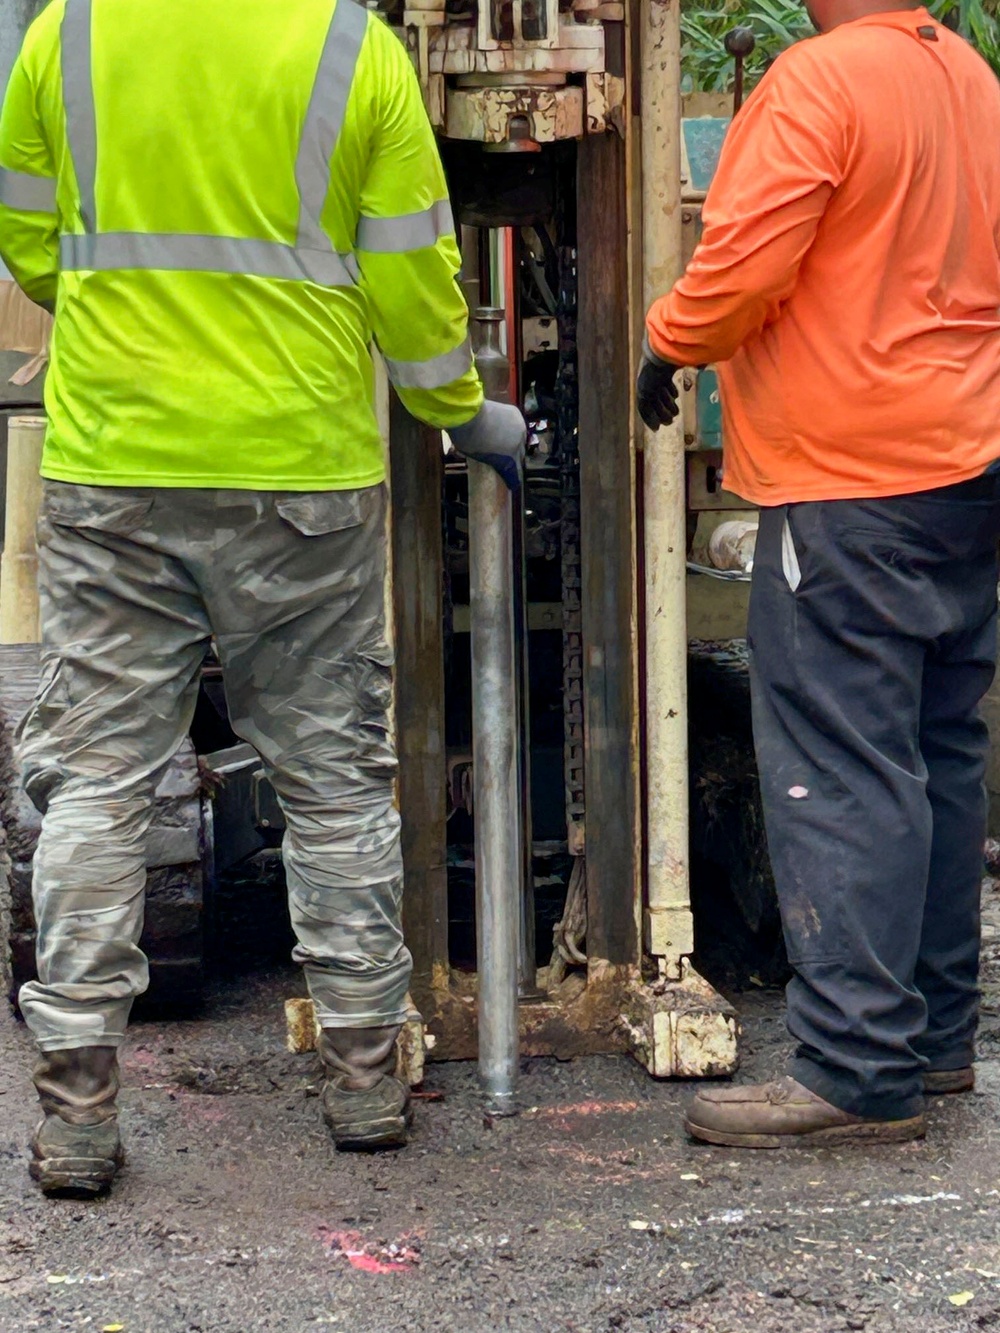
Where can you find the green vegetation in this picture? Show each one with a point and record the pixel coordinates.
(979, 22)
(706, 64)
(778, 23)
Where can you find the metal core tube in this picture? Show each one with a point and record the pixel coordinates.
(495, 738)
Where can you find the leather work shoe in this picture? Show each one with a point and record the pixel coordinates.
(76, 1149)
(365, 1106)
(784, 1114)
(939, 1082)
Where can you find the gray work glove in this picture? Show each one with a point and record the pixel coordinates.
(655, 390)
(495, 436)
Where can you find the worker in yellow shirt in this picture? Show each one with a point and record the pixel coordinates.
(224, 205)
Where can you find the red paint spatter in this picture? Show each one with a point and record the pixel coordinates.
(600, 1168)
(588, 1108)
(196, 1107)
(367, 1263)
(141, 1058)
(400, 1256)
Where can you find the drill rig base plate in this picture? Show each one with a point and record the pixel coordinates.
(682, 1029)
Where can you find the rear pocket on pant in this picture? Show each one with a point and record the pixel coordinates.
(318, 513)
(95, 508)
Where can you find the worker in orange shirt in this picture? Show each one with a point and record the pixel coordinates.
(848, 283)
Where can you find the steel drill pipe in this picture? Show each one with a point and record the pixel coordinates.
(499, 855)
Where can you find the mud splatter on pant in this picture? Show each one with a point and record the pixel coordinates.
(134, 586)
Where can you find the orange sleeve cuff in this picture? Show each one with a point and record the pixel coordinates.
(670, 340)
(656, 331)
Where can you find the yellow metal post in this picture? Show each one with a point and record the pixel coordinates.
(668, 929)
(677, 1026)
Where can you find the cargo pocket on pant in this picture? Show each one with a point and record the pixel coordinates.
(318, 513)
(37, 758)
(375, 686)
(108, 509)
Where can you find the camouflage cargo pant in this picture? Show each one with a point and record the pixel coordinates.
(134, 585)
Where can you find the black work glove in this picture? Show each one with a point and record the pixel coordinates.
(495, 436)
(655, 390)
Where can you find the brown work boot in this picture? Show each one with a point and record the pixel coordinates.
(939, 1082)
(365, 1105)
(76, 1149)
(784, 1114)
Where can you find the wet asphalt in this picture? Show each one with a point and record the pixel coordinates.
(589, 1211)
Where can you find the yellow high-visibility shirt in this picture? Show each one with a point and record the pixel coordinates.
(228, 203)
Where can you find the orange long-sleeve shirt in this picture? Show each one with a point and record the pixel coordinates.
(848, 276)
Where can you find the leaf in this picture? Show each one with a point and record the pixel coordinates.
(962, 1297)
(707, 66)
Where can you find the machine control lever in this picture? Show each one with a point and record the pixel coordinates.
(740, 43)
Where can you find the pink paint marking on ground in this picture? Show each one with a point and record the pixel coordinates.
(142, 1058)
(210, 1115)
(399, 1256)
(198, 1107)
(577, 1154)
(601, 1168)
(588, 1108)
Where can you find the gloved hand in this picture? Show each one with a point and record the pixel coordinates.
(655, 390)
(496, 435)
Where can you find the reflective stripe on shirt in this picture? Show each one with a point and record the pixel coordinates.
(408, 231)
(78, 99)
(435, 372)
(312, 259)
(183, 252)
(29, 194)
(325, 118)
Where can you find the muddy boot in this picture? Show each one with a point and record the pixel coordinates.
(784, 1114)
(364, 1104)
(941, 1082)
(76, 1149)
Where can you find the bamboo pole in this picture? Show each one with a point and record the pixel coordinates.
(669, 933)
(19, 563)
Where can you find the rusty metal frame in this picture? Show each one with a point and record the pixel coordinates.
(585, 1014)
(670, 1019)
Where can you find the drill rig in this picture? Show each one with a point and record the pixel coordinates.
(560, 130)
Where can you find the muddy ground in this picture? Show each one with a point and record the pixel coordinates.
(590, 1211)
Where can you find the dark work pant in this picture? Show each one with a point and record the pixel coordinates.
(873, 640)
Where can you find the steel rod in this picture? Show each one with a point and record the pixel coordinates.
(495, 744)
(526, 934)
(512, 311)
